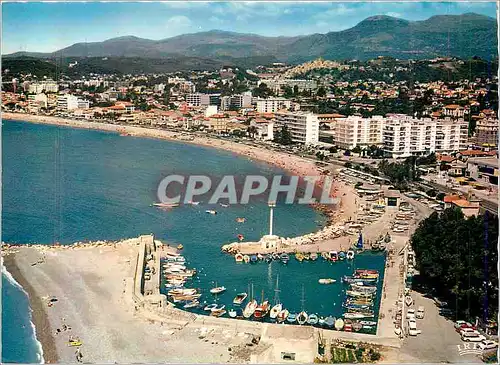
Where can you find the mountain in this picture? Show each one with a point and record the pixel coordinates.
(462, 36)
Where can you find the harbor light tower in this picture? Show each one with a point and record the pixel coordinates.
(272, 205)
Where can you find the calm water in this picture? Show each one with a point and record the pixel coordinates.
(66, 185)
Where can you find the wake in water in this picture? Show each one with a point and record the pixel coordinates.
(14, 283)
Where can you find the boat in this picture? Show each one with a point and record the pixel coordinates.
(182, 292)
(350, 255)
(339, 324)
(330, 321)
(218, 313)
(321, 321)
(302, 317)
(193, 203)
(180, 247)
(218, 290)
(239, 298)
(291, 318)
(166, 205)
(367, 327)
(192, 304)
(275, 256)
(325, 255)
(240, 237)
(357, 326)
(341, 255)
(209, 307)
(334, 256)
(224, 205)
(218, 308)
(358, 315)
(299, 256)
(276, 309)
(326, 281)
(348, 327)
(358, 294)
(368, 323)
(232, 313)
(284, 258)
(261, 310)
(307, 256)
(314, 256)
(246, 258)
(260, 257)
(313, 319)
(268, 258)
(364, 288)
(282, 315)
(408, 300)
(250, 307)
(238, 257)
(253, 258)
(211, 211)
(240, 220)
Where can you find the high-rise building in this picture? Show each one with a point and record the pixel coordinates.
(303, 127)
(197, 99)
(271, 105)
(356, 131)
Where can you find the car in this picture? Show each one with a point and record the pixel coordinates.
(488, 345)
(467, 330)
(473, 337)
(420, 312)
(410, 314)
(464, 325)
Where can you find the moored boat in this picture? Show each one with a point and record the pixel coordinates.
(408, 300)
(253, 258)
(239, 298)
(232, 313)
(339, 324)
(350, 255)
(292, 317)
(342, 255)
(276, 256)
(357, 326)
(261, 310)
(302, 317)
(284, 258)
(334, 256)
(299, 256)
(282, 315)
(314, 256)
(192, 304)
(330, 321)
(246, 258)
(275, 310)
(238, 257)
(268, 258)
(218, 313)
(210, 211)
(218, 290)
(250, 308)
(313, 319)
(209, 307)
(260, 257)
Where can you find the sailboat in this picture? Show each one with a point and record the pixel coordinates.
(250, 307)
(276, 309)
(282, 316)
(262, 310)
(302, 317)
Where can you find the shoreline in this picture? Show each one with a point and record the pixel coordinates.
(40, 319)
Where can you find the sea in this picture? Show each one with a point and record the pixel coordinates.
(64, 185)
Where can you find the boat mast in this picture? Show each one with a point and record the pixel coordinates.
(302, 297)
(276, 292)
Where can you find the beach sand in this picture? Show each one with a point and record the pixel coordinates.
(89, 283)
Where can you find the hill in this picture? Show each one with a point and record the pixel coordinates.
(463, 36)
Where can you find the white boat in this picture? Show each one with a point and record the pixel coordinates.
(240, 298)
(166, 205)
(193, 203)
(326, 281)
(217, 308)
(339, 324)
(232, 313)
(302, 318)
(350, 255)
(182, 292)
(210, 211)
(209, 307)
(218, 290)
(191, 304)
(275, 310)
(357, 315)
(282, 315)
(224, 205)
(250, 308)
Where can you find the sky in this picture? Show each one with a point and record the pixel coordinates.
(47, 27)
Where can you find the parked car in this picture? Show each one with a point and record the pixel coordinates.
(472, 337)
(488, 345)
(410, 314)
(462, 324)
(420, 312)
(467, 330)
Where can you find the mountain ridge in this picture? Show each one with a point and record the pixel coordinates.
(464, 36)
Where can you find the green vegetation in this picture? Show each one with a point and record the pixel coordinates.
(457, 259)
(400, 173)
(283, 136)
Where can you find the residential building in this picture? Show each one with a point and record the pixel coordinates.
(70, 102)
(304, 127)
(356, 131)
(225, 103)
(39, 87)
(483, 170)
(198, 99)
(271, 105)
(278, 86)
(37, 101)
(210, 110)
(486, 132)
(469, 207)
(241, 101)
(405, 136)
(454, 111)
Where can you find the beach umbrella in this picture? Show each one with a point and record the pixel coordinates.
(360, 241)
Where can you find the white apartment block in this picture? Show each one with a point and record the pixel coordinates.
(356, 131)
(225, 103)
(278, 85)
(71, 102)
(405, 136)
(198, 99)
(241, 101)
(272, 105)
(304, 127)
(47, 86)
(38, 101)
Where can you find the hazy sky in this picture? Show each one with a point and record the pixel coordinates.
(46, 27)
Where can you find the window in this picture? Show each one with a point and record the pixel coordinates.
(288, 356)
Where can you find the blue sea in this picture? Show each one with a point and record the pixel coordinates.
(65, 185)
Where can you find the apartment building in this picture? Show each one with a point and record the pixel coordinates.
(272, 105)
(405, 136)
(278, 86)
(356, 131)
(486, 132)
(304, 127)
(70, 102)
(197, 99)
(37, 101)
(241, 101)
(43, 86)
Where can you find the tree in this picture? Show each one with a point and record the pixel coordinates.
(283, 136)
(348, 165)
(262, 91)
(288, 92)
(295, 90)
(333, 149)
(347, 153)
(321, 92)
(252, 130)
(356, 149)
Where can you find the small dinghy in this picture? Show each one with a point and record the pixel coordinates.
(339, 324)
(291, 318)
(302, 318)
(282, 316)
(313, 319)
